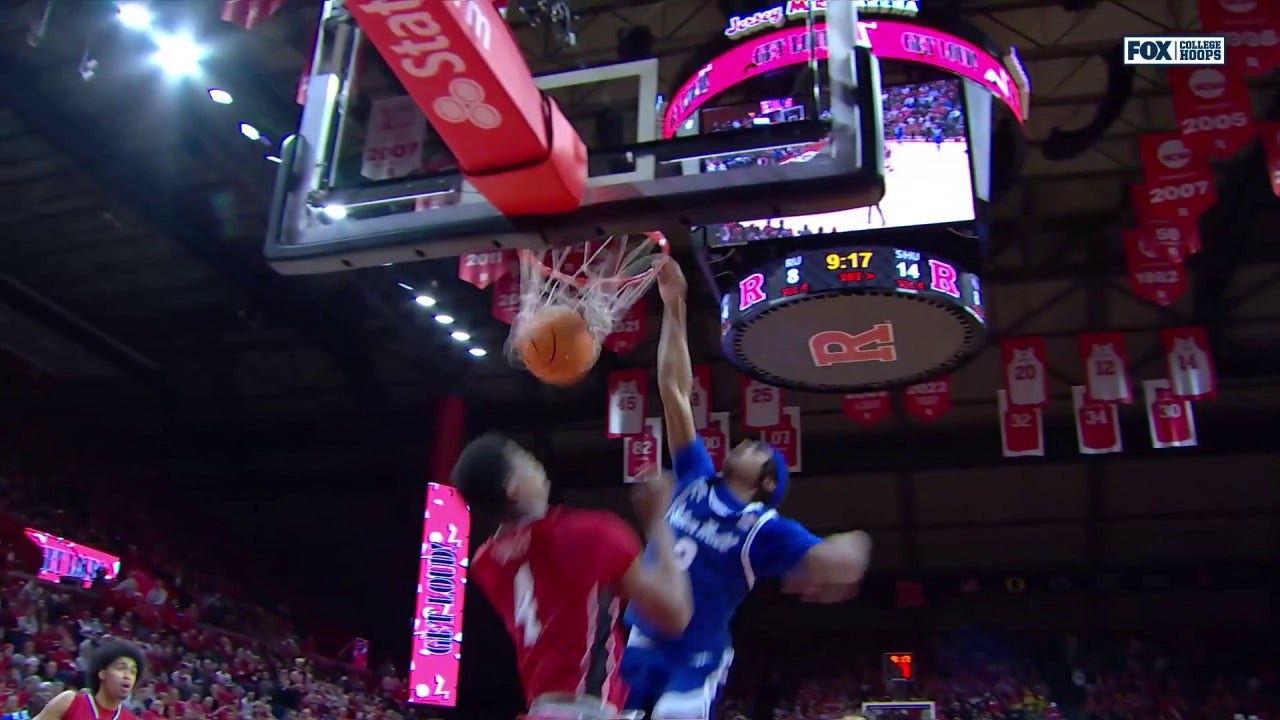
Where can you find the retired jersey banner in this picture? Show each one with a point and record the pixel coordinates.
(1190, 362)
(393, 143)
(761, 405)
(786, 437)
(928, 401)
(1252, 29)
(1271, 146)
(1021, 429)
(626, 403)
(1105, 362)
(1169, 417)
(1097, 424)
(506, 298)
(1212, 108)
(1152, 275)
(867, 408)
(642, 453)
(715, 438)
(628, 331)
(1025, 376)
(700, 395)
(485, 268)
(1179, 181)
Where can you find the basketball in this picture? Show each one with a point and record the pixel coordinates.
(556, 346)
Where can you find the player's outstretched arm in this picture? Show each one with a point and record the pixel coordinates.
(840, 559)
(659, 588)
(57, 707)
(675, 369)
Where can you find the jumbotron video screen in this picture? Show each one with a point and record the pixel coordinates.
(928, 175)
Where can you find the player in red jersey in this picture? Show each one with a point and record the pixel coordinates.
(557, 576)
(113, 670)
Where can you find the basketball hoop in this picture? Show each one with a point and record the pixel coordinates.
(598, 279)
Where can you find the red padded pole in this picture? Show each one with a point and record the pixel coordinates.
(460, 63)
(451, 427)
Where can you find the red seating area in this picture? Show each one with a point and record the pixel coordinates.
(212, 651)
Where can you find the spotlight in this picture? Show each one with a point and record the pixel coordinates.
(250, 132)
(272, 158)
(425, 301)
(477, 352)
(134, 15)
(335, 212)
(444, 319)
(460, 336)
(178, 55)
(220, 96)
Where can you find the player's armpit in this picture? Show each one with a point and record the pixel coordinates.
(58, 706)
(661, 596)
(839, 559)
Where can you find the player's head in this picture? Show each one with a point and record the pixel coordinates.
(759, 468)
(500, 479)
(114, 668)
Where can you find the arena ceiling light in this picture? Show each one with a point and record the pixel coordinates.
(178, 55)
(444, 319)
(272, 158)
(333, 212)
(134, 15)
(220, 96)
(425, 301)
(460, 336)
(478, 352)
(250, 132)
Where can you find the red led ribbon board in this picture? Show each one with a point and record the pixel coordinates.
(889, 40)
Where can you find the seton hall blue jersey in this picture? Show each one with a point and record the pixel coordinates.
(726, 546)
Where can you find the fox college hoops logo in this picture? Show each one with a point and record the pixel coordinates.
(1173, 154)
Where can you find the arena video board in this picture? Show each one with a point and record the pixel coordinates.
(927, 165)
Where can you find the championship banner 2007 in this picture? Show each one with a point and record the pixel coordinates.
(1179, 181)
(642, 454)
(393, 145)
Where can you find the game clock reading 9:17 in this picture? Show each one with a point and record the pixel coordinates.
(870, 266)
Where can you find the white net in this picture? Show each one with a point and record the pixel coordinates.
(599, 280)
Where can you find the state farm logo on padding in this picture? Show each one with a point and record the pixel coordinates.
(1238, 7)
(1208, 84)
(1173, 154)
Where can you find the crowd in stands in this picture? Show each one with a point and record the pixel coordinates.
(260, 670)
(211, 652)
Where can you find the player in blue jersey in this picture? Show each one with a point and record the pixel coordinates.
(728, 535)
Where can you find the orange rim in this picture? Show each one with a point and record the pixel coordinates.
(581, 282)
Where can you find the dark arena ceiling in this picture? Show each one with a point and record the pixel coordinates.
(134, 297)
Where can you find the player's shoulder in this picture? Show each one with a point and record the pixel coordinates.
(582, 520)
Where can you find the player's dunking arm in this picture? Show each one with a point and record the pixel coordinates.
(659, 588)
(675, 369)
(57, 707)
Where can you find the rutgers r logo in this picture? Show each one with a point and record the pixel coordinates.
(836, 347)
